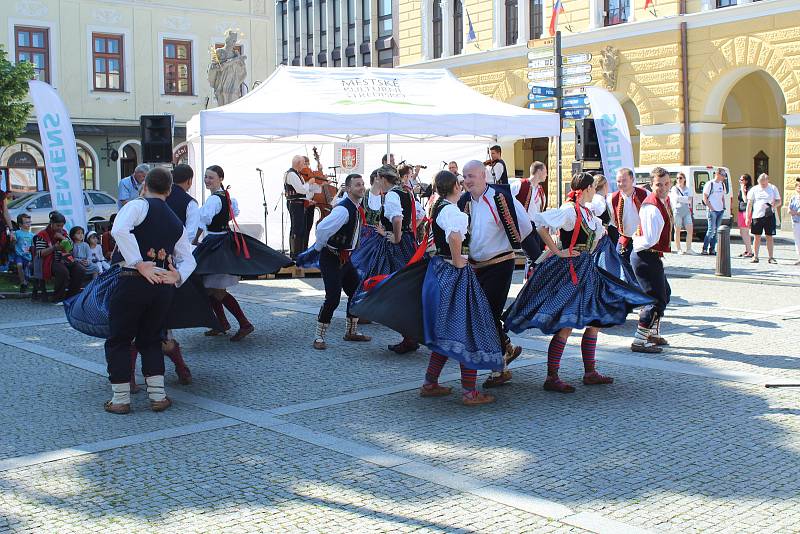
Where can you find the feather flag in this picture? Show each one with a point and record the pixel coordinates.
(471, 37)
(558, 8)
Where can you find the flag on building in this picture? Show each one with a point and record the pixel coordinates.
(648, 3)
(558, 8)
(471, 37)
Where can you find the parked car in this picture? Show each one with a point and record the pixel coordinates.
(100, 206)
(696, 178)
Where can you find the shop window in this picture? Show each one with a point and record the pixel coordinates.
(177, 67)
(33, 46)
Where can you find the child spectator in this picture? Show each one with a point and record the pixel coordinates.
(22, 250)
(107, 241)
(81, 251)
(96, 252)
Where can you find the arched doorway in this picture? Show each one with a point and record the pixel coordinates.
(129, 158)
(754, 128)
(22, 168)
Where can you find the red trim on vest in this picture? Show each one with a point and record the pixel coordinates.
(524, 194)
(639, 195)
(663, 244)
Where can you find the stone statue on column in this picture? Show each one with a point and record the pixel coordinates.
(227, 71)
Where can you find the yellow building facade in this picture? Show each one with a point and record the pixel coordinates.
(702, 82)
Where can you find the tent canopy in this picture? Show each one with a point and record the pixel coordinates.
(363, 102)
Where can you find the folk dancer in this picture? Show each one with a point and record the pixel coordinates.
(568, 290)
(496, 172)
(337, 235)
(498, 224)
(650, 243)
(623, 206)
(226, 255)
(145, 229)
(532, 196)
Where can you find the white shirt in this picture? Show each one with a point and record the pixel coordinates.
(192, 218)
(292, 178)
(212, 206)
(598, 205)
(494, 173)
(331, 224)
(535, 205)
(129, 217)
(760, 197)
(630, 215)
(651, 224)
(453, 221)
(374, 201)
(487, 236)
(393, 208)
(716, 195)
(679, 197)
(564, 218)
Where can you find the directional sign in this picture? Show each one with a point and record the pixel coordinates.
(542, 104)
(579, 79)
(568, 123)
(542, 74)
(576, 58)
(541, 63)
(541, 43)
(538, 53)
(576, 113)
(576, 69)
(541, 91)
(575, 101)
(574, 91)
(533, 98)
(549, 83)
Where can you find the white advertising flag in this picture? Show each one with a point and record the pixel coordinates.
(612, 133)
(60, 153)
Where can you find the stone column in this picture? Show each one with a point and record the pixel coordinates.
(706, 143)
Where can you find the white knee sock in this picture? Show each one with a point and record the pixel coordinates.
(121, 393)
(155, 387)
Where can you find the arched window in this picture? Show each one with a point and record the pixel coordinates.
(437, 29)
(86, 164)
(458, 26)
(129, 159)
(22, 165)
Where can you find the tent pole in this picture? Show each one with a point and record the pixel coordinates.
(202, 161)
(388, 148)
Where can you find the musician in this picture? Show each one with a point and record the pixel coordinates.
(388, 159)
(298, 193)
(498, 224)
(495, 167)
(623, 205)
(453, 167)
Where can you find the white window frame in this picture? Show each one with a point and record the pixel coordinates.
(54, 43)
(194, 39)
(127, 46)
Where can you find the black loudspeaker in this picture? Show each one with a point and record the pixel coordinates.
(587, 147)
(156, 133)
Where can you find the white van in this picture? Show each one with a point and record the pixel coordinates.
(697, 176)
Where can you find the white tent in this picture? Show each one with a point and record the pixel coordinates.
(426, 115)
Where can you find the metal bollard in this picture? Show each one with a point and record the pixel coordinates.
(724, 251)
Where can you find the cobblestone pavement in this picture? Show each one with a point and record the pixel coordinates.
(275, 437)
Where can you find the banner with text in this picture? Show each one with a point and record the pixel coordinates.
(612, 133)
(60, 153)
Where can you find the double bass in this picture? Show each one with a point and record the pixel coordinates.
(322, 200)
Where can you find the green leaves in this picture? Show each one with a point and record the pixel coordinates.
(13, 92)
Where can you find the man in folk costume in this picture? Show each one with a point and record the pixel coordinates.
(650, 243)
(496, 172)
(624, 207)
(298, 193)
(498, 225)
(141, 302)
(532, 196)
(337, 235)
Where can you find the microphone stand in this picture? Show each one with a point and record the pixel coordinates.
(264, 199)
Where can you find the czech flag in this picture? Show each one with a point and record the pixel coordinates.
(558, 8)
(648, 3)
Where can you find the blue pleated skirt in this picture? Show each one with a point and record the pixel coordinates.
(549, 301)
(457, 318)
(375, 255)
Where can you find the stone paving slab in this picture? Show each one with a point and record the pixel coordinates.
(242, 478)
(656, 449)
(48, 405)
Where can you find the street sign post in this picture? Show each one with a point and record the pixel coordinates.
(574, 91)
(541, 91)
(577, 58)
(542, 74)
(575, 113)
(576, 69)
(579, 79)
(541, 63)
(577, 101)
(542, 104)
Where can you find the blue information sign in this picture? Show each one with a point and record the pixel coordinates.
(577, 101)
(575, 113)
(542, 104)
(543, 91)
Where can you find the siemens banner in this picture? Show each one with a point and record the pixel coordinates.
(60, 154)
(612, 133)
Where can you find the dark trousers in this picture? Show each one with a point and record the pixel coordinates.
(625, 251)
(297, 219)
(137, 314)
(69, 279)
(496, 282)
(309, 223)
(337, 276)
(649, 270)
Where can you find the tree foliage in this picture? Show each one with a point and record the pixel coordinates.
(14, 110)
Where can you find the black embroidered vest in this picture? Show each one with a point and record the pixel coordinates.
(219, 223)
(179, 201)
(585, 237)
(439, 236)
(158, 233)
(346, 237)
(504, 201)
(289, 191)
(407, 203)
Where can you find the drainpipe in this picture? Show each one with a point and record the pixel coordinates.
(685, 85)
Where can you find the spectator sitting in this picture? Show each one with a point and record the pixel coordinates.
(96, 252)
(53, 247)
(107, 241)
(81, 251)
(22, 250)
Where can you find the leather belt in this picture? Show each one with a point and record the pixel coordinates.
(129, 272)
(494, 261)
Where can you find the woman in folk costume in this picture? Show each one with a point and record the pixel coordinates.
(569, 290)
(225, 255)
(442, 302)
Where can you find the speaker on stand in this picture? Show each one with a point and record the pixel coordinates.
(587, 148)
(156, 135)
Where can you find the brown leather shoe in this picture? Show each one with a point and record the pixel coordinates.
(477, 398)
(404, 346)
(512, 353)
(497, 381)
(595, 379)
(119, 409)
(320, 345)
(214, 332)
(160, 406)
(356, 337)
(243, 332)
(557, 385)
(434, 390)
(361, 320)
(657, 340)
(646, 349)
